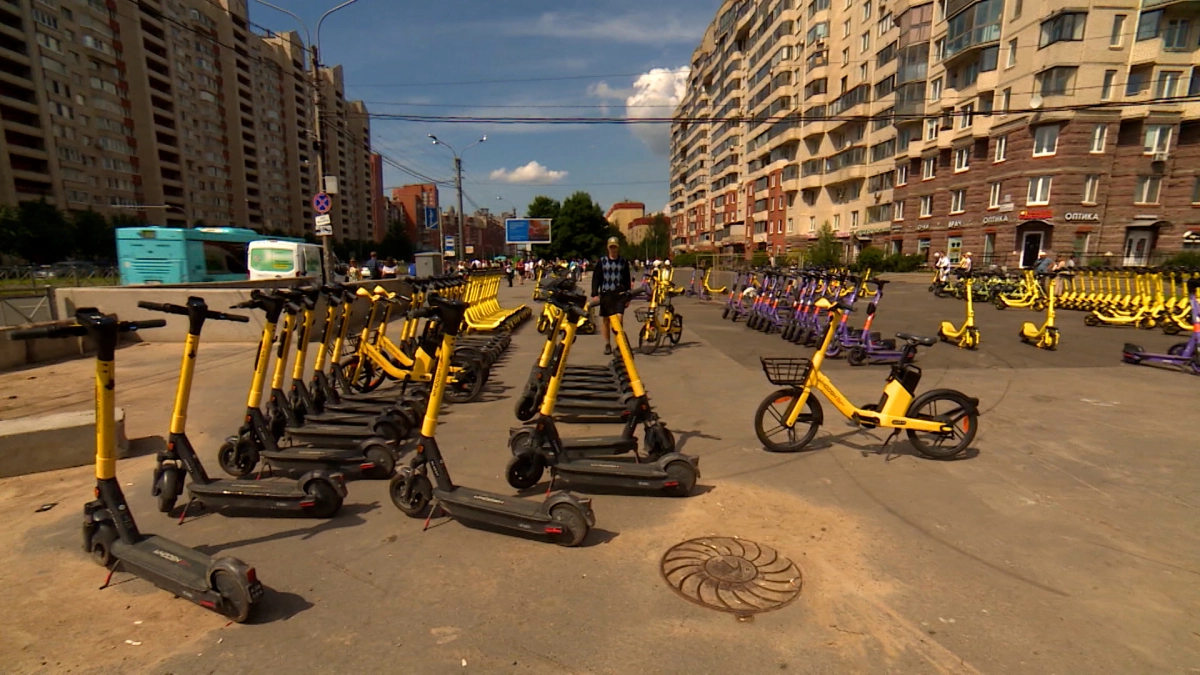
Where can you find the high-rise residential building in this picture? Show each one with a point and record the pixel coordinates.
(1000, 127)
(411, 203)
(174, 111)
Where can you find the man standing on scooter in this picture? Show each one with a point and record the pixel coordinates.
(610, 279)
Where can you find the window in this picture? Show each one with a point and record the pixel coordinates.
(812, 223)
(864, 43)
(1067, 27)
(1115, 38)
(928, 168)
(47, 20)
(931, 128)
(1175, 38)
(1039, 191)
(1017, 9)
(1001, 149)
(837, 221)
(867, 10)
(1006, 99)
(954, 248)
(1012, 54)
(791, 226)
(926, 206)
(935, 90)
(1147, 190)
(1056, 81)
(1091, 188)
(853, 219)
(993, 195)
(1196, 191)
(1167, 84)
(962, 159)
(1080, 246)
(958, 201)
(939, 48)
(49, 42)
(1137, 82)
(1157, 138)
(898, 207)
(902, 174)
(967, 117)
(846, 28)
(1045, 140)
(989, 247)
(864, 72)
(1148, 25)
(845, 57)
(1110, 77)
(1099, 136)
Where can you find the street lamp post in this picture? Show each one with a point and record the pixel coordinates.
(458, 186)
(314, 50)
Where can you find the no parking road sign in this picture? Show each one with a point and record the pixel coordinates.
(321, 202)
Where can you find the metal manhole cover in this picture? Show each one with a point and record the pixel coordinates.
(731, 575)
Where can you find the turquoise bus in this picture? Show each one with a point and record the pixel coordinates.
(171, 255)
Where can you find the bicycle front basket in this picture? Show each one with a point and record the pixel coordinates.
(786, 370)
(643, 314)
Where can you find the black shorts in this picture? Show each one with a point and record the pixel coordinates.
(611, 303)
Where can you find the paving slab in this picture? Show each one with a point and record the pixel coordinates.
(1066, 541)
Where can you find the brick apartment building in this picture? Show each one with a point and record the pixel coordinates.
(991, 126)
(174, 105)
(410, 202)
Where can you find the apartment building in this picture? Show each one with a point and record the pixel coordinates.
(1002, 127)
(621, 215)
(171, 110)
(410, 203)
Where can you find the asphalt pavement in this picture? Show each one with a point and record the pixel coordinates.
(1065, 540)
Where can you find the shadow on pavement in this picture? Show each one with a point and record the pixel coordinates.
(146, 445)
(349, 516)
(279, 606)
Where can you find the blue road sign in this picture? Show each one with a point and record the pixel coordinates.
(431, 218)
(321, 202)
(449, 245)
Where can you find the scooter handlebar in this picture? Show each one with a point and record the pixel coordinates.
(163, 307)
(134, 326)
(48, 332)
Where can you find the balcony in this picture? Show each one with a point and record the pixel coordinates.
(850, 99)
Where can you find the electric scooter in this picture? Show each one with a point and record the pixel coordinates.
(318, 494)
(1184, 355)
(1045, 337)
(873, 348)
(539, 444)
(225, 585)
(562, 516)
(256, 439)
(967, 336)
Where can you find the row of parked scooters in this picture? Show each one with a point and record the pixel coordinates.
(798, 304)
(346, 424)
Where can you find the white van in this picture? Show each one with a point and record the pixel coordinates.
(278, 259)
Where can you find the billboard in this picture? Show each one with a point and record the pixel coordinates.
(527, 231)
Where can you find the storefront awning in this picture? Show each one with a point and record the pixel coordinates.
(1191, 237)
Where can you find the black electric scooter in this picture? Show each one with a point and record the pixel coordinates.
(255, 440)
(589, 461)
(318, 494)
(110, 535)
(563, 516)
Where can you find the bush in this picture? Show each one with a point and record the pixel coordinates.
(905, 263)
(1185, 259)
(871, 258)
(760, 259)
(684, 260)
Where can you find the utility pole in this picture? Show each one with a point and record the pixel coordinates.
(461, 243)
(319, 145)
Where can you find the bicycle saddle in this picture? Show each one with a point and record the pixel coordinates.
(916, 339)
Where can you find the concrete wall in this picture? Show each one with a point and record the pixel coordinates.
(122, 301)
(16, 353)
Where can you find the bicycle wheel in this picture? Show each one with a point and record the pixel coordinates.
(770, 427)
(648, 339)
(949, 407)
(676, 329)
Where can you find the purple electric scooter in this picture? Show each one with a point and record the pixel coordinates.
(867, 346)
(1184, 355)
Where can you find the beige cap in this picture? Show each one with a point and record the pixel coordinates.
(613, 241)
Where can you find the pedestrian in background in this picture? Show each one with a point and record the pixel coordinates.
(611, 279)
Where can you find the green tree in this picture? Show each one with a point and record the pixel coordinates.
(656, 244)
(826, 251)
(580, 229)
(395, 243)
(95, 238)
(40, 233)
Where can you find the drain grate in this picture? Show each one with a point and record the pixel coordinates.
(731, 575)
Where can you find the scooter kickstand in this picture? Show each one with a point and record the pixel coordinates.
(890, 455)
(183, 514)
(433, 509)
(108, 577)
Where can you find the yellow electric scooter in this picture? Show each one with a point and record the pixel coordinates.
(1045, 337)
(967, 336)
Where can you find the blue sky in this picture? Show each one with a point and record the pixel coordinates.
(396, 51)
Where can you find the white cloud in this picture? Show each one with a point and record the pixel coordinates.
(602, 90)
(656, 94)
(638, 27)
(532, 173)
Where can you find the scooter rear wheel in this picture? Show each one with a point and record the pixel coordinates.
(572, 523)
(411, 492)
(857, 357)
(725, 313)
(683, 473)
(468, 380)
(235, 597)
(237, 457)
(381, 456)
(769, 422)
(327, 500)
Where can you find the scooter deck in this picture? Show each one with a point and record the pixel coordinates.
(166, 563)
(600, 444)
(307, 458)
(342, 417)
(492, 508)
(248, 489)
(334, 435)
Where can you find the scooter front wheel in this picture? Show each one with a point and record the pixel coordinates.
(857, 357)
(770, 422)
(725, 313)
(468, 380)
(525, 470)
(949, 407)
(169, 485)
(411, 492)
(237, 456)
